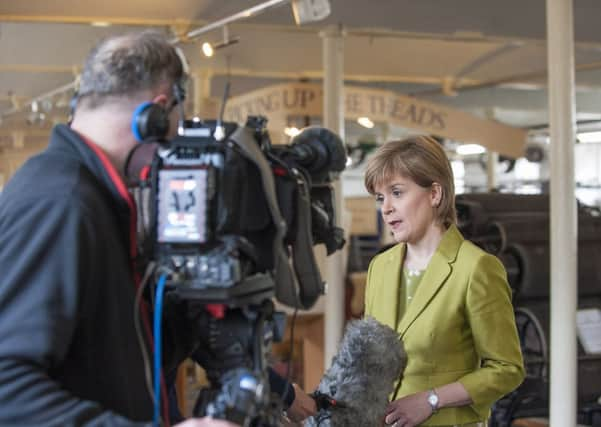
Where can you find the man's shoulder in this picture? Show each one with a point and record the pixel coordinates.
(47, 179)
(47, 171)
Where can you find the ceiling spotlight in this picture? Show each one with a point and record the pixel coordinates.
(306, 11)
(207, 49)
(365, 122)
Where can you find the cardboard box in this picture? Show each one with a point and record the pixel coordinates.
(364, 215)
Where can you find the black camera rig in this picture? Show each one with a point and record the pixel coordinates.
(231, 220)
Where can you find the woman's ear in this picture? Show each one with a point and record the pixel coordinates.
(435, 194)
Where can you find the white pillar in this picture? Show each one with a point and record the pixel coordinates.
(202, 94)
(564, 225)
(333, 119)
(492, 158)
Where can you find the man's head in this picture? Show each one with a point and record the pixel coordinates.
(119, 75)
(127, 66)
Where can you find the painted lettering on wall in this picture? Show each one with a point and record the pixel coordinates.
(308, 100)
(275, 101)
(406, 111)
(281, 102)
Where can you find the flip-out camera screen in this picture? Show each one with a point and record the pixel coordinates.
(182, 206)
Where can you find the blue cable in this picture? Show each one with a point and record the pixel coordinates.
(158, 310)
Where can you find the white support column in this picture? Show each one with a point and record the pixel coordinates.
(492, 158)
(564, 225)
(202, 94)
(333, 119)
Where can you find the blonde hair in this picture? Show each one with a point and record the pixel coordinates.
(420, 159)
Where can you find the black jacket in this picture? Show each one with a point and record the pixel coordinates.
(68, 348)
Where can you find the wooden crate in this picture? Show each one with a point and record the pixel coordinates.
(307, 358)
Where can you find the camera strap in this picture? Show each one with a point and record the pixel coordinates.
(305, 266)
(285, 286)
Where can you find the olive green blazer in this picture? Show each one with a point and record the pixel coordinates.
(459, 326)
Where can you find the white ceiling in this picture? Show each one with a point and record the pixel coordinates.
(408, 46)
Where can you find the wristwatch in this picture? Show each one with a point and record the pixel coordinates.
(433, 400)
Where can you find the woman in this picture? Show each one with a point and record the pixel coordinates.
(448, 300)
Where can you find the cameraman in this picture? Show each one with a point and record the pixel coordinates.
(69, 352)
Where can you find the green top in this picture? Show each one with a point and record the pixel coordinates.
(410, 280)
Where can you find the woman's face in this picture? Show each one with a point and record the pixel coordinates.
(407, 208)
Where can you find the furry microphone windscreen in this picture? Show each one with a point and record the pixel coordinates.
(362, 375)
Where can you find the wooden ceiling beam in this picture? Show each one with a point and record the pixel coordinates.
(99, 20)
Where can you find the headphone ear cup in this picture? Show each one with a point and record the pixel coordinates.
(150, 122)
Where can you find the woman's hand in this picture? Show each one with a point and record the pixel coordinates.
(408, 411)
(303, 405)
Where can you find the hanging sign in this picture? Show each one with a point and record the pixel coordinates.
(304, 99)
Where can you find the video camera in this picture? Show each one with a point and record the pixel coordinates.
(228, 214)
(231, 220)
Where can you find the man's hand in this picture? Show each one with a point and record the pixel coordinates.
(408, 411)
(205, 422)
(302, 407)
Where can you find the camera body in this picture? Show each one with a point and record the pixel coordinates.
(229, 213)
(230, 221)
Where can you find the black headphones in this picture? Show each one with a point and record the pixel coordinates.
(150, 122)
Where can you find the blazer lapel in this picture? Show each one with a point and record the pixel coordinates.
(438, 270)
(390, 281)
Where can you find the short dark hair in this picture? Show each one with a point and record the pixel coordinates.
(420, 159)
(124, 65)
